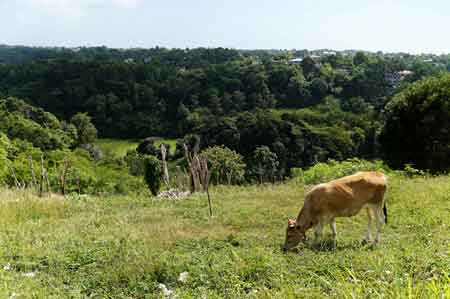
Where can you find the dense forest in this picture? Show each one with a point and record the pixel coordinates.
(301, 106)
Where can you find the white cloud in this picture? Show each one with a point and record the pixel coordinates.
(85, 3)
(78, 8)
(128, 3)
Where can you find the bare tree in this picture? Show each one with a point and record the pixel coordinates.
(205, 176)
(43, 175)
(30, 159)
(16, 181)
(199, 173)
(63, 176)
(191, 158)
(165, 170)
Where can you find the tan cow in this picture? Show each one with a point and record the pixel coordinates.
(343, 197)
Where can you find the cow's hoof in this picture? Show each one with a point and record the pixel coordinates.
(365, 242)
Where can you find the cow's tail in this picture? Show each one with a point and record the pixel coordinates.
(384, 199)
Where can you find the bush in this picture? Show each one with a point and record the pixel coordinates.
(324, 172)
(4, 146)
(148, 147)
(226, 165)
(135, 163)
(152, 174)
(410, 171)
(86, 131)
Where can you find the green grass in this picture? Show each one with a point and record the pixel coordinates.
(121, 247)
(118, 147)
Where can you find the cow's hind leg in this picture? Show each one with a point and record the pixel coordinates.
(368, 237)
(379, 213)
(380, 220)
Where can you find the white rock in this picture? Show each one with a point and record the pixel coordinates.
(168, 294)
(29, 274)
(183, 277)
(173, 194)
(7, 267)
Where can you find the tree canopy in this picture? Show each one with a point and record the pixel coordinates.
(417, 129)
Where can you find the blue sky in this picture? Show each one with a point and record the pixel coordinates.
(397, 25)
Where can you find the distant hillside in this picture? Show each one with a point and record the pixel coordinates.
(188, 58)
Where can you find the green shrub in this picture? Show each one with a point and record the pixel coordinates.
(4, 146)
(323, 172)
(264, 164)
(410, 171)
(152, 174)
(135, 162)
(86, 131)
(226, 165)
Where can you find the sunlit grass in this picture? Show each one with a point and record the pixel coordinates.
(121, 247)
(118, 147)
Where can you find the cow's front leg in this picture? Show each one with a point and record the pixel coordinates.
(318, 230)
(333, 231)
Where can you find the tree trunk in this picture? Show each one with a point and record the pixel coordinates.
(32, 173)
(41, 184)
(165, 170)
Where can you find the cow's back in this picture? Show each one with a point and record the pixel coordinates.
(347, 195)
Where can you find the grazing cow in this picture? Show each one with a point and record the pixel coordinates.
(343, 197)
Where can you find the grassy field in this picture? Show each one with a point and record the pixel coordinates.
(119, 147)
(123, 247)
(116, 146)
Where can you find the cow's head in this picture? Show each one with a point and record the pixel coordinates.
(294, 235)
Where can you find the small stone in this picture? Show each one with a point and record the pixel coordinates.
(29, 274)
(183, 277)
(168, 294)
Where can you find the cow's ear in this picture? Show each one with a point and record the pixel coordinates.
(291, 223)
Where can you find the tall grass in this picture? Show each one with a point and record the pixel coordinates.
(123, 247)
